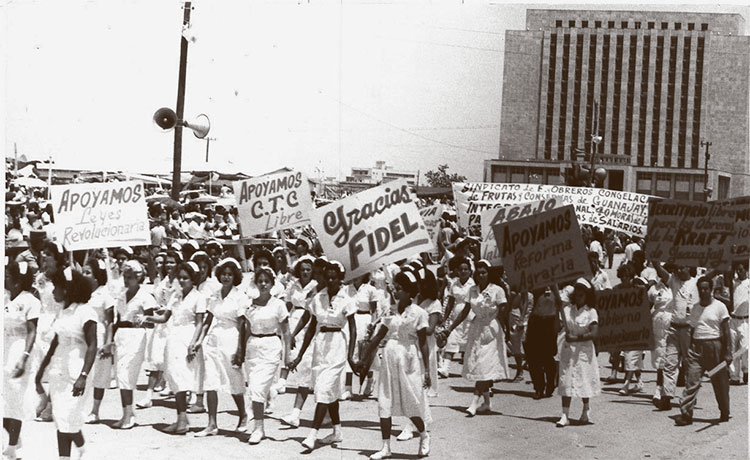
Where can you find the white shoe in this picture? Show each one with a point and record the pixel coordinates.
(472, 409)
(92, 418)
(166, 392)
(381, 454)
(406, 434)
(485, 407)
(144, 404)
(291, 421)
(442, 372)
(332, 438)
(256, 437)
(346, 396)
(424, 445)
(309, 442)
(10, 454)
(432, 394)
(563, 421)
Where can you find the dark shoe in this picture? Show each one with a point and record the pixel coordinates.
(724, 418)
(683, 421)
(665, 403)
(538, 395)
(734, 382)
(744, 378)
(549, 392)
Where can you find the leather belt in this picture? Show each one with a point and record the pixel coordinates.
(130, 324)
(738, 317)
(330, 329)
(363, 313)
(262, 335)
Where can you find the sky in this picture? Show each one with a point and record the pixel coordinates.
(319, 86)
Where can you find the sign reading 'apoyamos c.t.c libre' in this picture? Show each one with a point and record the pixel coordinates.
(371, 228)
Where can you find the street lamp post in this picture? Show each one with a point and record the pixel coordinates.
(596, 139)
(180, 109)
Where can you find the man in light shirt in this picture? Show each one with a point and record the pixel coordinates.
(709, 346)
(738, 323)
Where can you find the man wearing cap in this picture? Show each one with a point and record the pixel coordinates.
(709, 346)
(32, 255)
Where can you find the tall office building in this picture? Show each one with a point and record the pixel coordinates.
(663, 83)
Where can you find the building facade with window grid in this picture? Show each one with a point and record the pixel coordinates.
(662, 81)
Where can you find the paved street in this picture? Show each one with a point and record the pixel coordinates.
(519, 428)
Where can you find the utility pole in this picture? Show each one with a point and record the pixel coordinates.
(177, 161)
(210, 173)
(706, 189)
(595, 140)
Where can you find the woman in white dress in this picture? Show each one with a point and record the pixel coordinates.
(53, 261)
(660, 296)
(298, 294)
(208, 286)
(456, 295)
(19, 331)
(267, 329)
(428, 301)
(486, 359)
(95, 272)
(579, 369)
(222, 328)
(157, 343)
(70, 358)
(185, 312)
(130, 337)
(404, 372)
(331, 310)
(366, 296)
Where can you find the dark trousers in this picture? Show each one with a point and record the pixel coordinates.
(541, 347)
(702, 356)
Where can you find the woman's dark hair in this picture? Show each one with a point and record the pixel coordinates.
(625, 271)
(267, 271)
(706, 279)
(25, 281)
(236, 273)
(77, 290)
(403, 280)
(590, 294)
(263, 253)
(100, 274)
(493, 274)
(194, 274)
(428, 286)
(457, 261)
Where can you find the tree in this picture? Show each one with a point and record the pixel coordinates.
(441, 178)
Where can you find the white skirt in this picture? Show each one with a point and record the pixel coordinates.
(156, 347)
(459, 337)
(579, 370)
(16, 392)
(400, 381)
(328, 364)
(302, 375)
(218, 348)
(263, 359)
(660, 323)
(68, 411)
(130, 346)
(485, 358)
(181, 374)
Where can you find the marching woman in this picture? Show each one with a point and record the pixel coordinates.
(95, 272)
(298, 295)
(661, 298)
(53, 262)
(267, 319)
(156, 346)
(486, 359)
(405, 368)
(222, 328)
(186, 310)
(579, 369)
(20, 319)
(207, 285)
(366, 296)
(70, 358)
(331, 310)
(130, 339)
(456, 295)
(428, 301)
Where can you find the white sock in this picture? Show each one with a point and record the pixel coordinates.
(149, 394)
(387, 445)
(295, 413)
(11, 451)
(313, 433)
(566, 411)
(337, 430)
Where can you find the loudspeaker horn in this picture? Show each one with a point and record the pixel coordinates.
(200, 125)
(165, 118)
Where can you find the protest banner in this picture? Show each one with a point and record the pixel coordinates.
(490, 217)
(542, 249)
(371, 228)
(431, 218)
(691, 234)
(624, 319)
(617, 210)
(100, 215)
(741, 246)
(273, 202)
